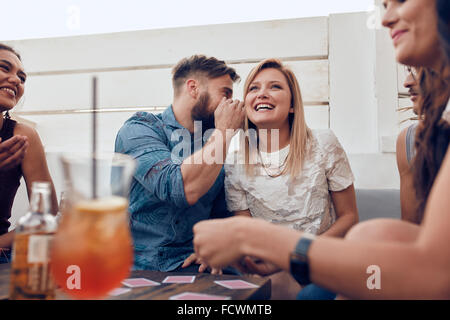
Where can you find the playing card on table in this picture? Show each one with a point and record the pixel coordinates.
(179, 279)
(197, 296)
(236, 284)
(119, 291)
(139, 282)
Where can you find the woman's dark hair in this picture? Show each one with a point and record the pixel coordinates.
(8, 48)
(432, 137)
(443, 11)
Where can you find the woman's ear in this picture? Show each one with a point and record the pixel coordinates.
(291, 110)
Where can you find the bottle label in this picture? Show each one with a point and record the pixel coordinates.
(39, 248)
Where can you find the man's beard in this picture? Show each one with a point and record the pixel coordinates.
(200, 112)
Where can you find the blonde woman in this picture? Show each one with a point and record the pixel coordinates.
(284, 172)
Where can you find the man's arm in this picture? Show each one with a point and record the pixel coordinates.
(199, 171)
(199, 178)
(142, 138)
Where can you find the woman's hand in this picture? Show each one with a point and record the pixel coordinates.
(260, 267)
(12, 152)
(34, 164)
(217, 242)
(203, 266)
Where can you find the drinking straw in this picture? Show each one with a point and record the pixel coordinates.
(94, 137)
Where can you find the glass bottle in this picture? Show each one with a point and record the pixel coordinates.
(30, 270)
(63, 203)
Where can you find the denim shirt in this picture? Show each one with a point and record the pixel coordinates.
(161, 220)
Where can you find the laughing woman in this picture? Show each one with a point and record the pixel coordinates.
(284, 172)
(21, 150)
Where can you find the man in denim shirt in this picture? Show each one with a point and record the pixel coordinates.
(176, 184)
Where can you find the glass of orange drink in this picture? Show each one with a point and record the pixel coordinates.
(92, 250)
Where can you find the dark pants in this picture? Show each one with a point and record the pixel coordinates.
(314, 292)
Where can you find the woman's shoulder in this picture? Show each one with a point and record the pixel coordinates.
(325, 138)
(400, 151)
(401, 141)
(328, 146)
(25, 130)
(402, 136)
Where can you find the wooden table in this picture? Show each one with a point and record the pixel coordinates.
(204, 283)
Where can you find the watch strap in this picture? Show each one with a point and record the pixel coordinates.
(299, 259)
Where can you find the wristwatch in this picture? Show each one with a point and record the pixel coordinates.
(299, 259)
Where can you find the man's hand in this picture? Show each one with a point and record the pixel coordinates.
(229, 114)
(12, 152)
(203, 266)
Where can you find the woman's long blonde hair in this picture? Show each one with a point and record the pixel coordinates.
(299, 131)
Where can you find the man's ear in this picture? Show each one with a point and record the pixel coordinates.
(192, 88)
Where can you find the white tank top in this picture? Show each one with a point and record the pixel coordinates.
(446, 113)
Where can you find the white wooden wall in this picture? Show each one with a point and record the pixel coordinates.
(340, 64)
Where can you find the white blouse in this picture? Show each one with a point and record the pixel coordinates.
(446, 113)
(303, 203)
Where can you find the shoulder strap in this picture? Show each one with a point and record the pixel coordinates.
(7, 130)
(410, 138)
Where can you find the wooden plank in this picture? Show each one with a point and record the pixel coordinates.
(312, 76)
(148, 87)
(374, 171)
(353, 105)
(57, 92)
(385, 83)
(317, 117)
(303, 37)
(22, 120)
(72, 132)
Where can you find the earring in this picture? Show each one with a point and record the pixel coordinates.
(7, 116)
